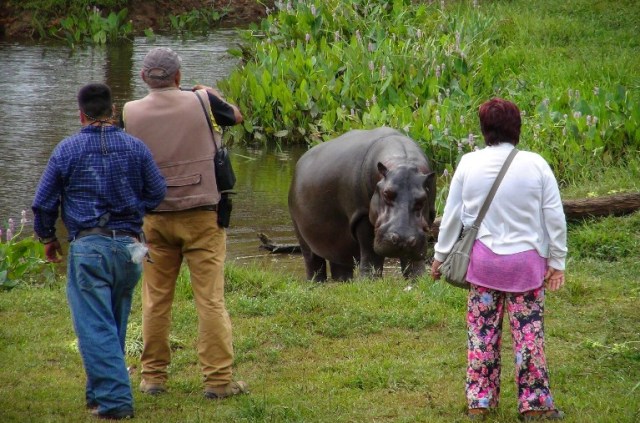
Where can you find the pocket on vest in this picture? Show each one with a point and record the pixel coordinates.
(183, 181)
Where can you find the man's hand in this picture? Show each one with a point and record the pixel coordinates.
(53, 251)
(435, 273)
(554, 279)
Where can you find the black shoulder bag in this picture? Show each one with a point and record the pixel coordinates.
(225, 177)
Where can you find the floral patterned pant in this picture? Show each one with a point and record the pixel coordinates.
(485, 311)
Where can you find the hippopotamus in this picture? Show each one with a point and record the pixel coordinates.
(359, 198)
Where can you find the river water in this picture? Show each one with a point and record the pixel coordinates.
(38, 108)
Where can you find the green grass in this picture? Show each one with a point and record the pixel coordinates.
(364, 351)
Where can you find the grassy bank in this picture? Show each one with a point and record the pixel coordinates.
(365, 351)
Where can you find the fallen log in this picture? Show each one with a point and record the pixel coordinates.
(607, 205)
(268, 244)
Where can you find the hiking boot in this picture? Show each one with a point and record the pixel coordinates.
(228, 390)
(113, 415)
(152, 388)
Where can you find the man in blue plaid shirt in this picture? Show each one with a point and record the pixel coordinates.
(105, 180)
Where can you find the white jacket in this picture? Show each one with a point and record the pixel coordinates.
(526, 212)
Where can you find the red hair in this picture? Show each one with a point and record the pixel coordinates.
(500, 121)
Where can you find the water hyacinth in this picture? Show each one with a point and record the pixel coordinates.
(426, 70)
(471, 139)
(23, 219)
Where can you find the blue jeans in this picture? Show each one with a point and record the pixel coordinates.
(100, 282)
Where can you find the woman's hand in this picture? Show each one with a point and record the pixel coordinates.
(554, 279)
(435, 273)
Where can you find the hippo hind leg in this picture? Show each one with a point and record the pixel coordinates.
(412, 268)
(315, 265)
(341, 272)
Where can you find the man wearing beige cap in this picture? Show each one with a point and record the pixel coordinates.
(173, 124)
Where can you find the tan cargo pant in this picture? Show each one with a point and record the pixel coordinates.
(195, 236)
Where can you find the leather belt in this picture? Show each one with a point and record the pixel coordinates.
(111, 233)
(212, 207)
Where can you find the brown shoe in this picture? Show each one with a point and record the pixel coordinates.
(152, 388)
(532, 415)
(478, 414)
(228, 390)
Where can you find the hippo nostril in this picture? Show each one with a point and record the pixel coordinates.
(393, 238)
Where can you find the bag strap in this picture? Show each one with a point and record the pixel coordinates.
(494, 187)
(207, 114)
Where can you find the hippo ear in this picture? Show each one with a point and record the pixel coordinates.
(429, 183)
(382, 169)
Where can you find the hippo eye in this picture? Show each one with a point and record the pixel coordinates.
(389, 196)
(419, 203)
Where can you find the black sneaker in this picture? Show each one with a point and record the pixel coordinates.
(113, 415)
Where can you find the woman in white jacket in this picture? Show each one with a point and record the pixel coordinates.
(520, 250)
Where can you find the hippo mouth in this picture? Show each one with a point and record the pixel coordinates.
(393, 245)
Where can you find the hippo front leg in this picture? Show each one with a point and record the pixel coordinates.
(370, 263)
(412, 268)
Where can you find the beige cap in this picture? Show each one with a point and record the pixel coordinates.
(161, 63)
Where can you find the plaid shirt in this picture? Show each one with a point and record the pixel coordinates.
(93, 173)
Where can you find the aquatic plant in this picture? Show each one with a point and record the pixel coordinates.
(316, 69)
(90, 27)
(22, 257)
(197, 20)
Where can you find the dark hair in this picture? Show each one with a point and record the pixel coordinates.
(500, 121)
(94, 101)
